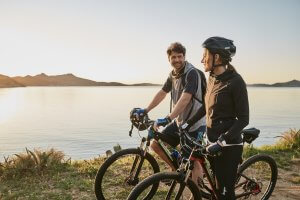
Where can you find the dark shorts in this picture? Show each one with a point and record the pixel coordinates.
(170, 134)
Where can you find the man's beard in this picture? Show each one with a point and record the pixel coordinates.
(178, 65)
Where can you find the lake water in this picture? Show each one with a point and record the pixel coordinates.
(86, 121)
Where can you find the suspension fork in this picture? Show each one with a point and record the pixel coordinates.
(182, 185)
(144, 151)
(185, 175)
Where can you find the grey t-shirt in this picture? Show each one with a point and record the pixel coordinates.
(192, 85)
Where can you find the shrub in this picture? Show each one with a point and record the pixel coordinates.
(32, 162)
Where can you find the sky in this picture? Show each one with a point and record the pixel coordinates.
(126, 40)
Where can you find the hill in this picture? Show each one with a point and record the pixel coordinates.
(57, 80)
(293, 83)
(63, 80)
(7, 82)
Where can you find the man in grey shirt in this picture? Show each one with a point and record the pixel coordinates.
(184, 83)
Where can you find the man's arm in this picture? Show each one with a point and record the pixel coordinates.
(156, 100)
(180, 105)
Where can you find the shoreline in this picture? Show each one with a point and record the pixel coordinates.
(57, 177)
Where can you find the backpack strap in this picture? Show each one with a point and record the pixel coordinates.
(171, 93)
(184, 81)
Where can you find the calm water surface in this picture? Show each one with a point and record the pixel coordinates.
(86, 121)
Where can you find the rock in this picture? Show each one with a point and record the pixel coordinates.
(108, 153)
(117, 148)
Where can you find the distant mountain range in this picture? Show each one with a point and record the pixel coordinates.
(6, 81)
(293, 83)
(57, 80)
(71, 80)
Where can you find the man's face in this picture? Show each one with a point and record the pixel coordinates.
(177, 60)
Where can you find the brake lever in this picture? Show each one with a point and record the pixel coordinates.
(130, 132)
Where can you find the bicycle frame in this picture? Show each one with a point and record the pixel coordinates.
(187, 169)
(145, 149)
(213, 190)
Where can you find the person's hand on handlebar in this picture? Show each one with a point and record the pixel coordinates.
(216, 147)
(161, 122)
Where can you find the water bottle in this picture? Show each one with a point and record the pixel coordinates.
(200, 136)
(176, 156)
(150, 134)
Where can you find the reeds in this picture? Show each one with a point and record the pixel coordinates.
(32, 162)
(289, 140)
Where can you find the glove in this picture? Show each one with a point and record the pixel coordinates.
(163, 122)
(216, 147)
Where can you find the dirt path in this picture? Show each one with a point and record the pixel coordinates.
(288, 183)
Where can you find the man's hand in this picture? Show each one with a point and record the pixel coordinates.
(161, 122)
(216, 147)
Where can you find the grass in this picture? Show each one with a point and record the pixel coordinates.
(48, 174)
(284, 151)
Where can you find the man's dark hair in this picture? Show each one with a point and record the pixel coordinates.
(176, 47)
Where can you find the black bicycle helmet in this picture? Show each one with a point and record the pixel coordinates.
(222, 46)
(138, 121)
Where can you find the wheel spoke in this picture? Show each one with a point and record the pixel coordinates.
(256, 179)
(117, 178)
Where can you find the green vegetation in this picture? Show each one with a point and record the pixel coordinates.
(48, 174)
(285, 151)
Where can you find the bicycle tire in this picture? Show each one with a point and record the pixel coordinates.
(267, 160)
(159, 177)
(98, 187)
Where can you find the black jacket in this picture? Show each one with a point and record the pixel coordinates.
(226, 107)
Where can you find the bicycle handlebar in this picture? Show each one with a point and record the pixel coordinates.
(183, 134)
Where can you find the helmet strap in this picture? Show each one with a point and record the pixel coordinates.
(213, 64)
(218, 65)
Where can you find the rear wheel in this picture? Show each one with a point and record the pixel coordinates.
(171, 186)
(256, 177)
(116, 176)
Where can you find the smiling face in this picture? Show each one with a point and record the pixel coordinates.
(177, 60)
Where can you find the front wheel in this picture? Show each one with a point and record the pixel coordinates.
(118, 174)
(256, 177)
(171, 186)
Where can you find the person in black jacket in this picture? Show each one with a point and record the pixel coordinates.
(227, 113)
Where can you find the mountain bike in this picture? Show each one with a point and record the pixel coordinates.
(126, 168)
(256, 177)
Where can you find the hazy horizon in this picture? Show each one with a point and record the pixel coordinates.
(278, 81)
(127, 41)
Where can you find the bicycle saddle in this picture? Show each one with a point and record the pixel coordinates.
(250, 134)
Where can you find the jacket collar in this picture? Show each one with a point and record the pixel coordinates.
(224, 76)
